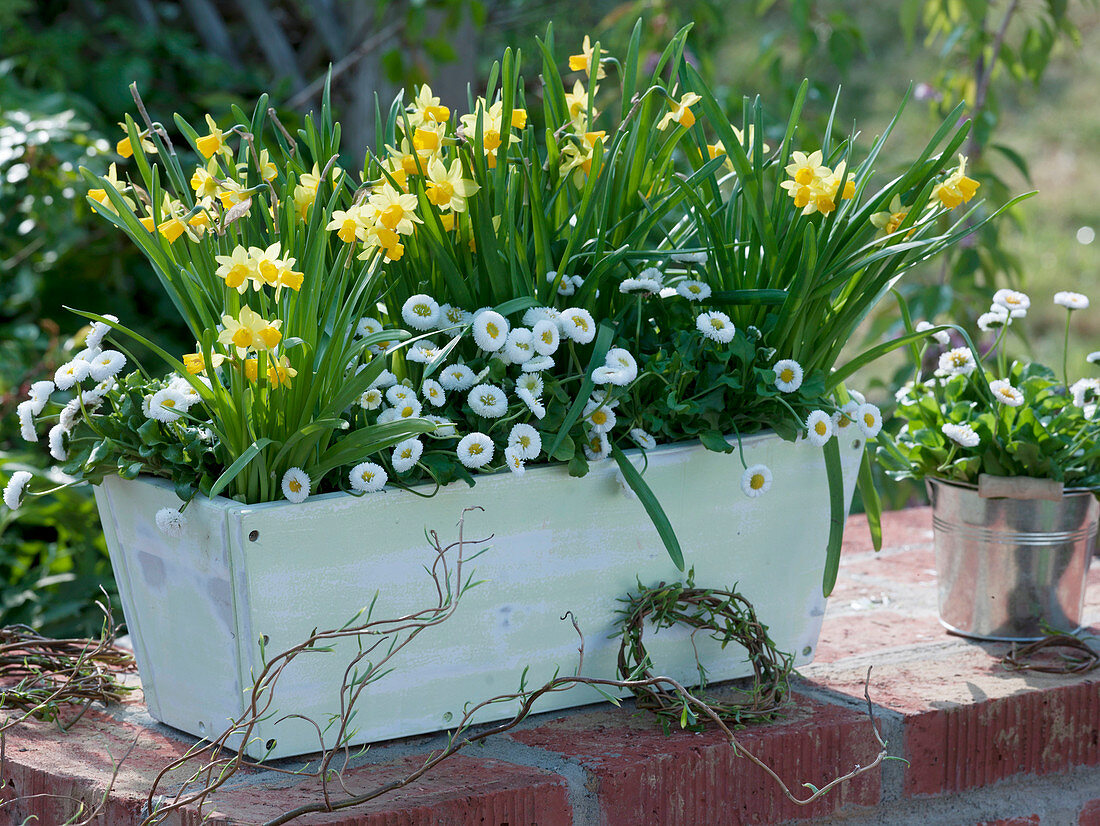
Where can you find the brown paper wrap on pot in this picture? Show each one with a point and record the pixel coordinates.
(1018, 487)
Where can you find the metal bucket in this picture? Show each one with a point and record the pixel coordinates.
(1008, 569)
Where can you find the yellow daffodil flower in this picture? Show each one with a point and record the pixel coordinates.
(681, 112)
(252, 369)
(124, 148)
(171, 229)
(305, 192)
(204, 181)
(428, 140)
(236, 269)
(956, 189)
(214, 142)
(577, 157)
(279, 372)
(231, 193)
(396, 210)
(889, 221)
(347, 223)
(403, 158)
(268, 171)
(425, 108)
(120, 186)
(195, 363)
(249, 331)
(577, 101)
(447, 189)
(583, 62)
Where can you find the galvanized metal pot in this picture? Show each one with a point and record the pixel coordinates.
(1009, 568)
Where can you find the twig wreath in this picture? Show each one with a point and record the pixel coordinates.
(727, 617)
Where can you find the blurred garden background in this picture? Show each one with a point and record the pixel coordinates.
(1029, 71)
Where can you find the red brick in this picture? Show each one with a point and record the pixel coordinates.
(1090, 814)
(461, 790)
(50, 773)
(862, 632)
(643, 776)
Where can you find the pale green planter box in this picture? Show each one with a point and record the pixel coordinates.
(197, 605)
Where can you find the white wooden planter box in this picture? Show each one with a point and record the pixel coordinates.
(196, 606)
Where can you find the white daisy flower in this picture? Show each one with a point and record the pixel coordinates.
(819, 428)
(533, 315)
(597, 447)
(546, 336)
(444, 428)
(366, 326)
(694, 290)
(107, 365)
(531, 382)
(41, 390)
(1093, 357)
(525, 441)
(410, 408)
(1017, 303)
(170, 522)
(371, 399)
(647, 281)
(869, 420)
(538, 364)
(716, 326)
(1084, 390)
(643, 439)
(958, 360)
(690, 257)
(420, 311)
(599, 397)
(1006, 393)
(624, 363)
(857, 397)
(534, 404)
(385, 379)
(367, 477)
(488, 400)
(475, 450)
(94, 339)
(71, 411)
(490, 330)
(942, 336)
(578, 325)
(88, 354)
(57, 443)
(179, 384)
(1071, 300)
(399, 393)
(600, 419)
(406, 454)
(423, 352)
(457, 377)
(846, 416)
(433, 392)
(987, 322)
(514, 460)
(296, 485)
(788, 375)
(604, 375)
(520, 346)
(25, 411)
(166, 405)
(453, 317)
(70, 373)
(756, 481)
(962, 434)
(13, 491)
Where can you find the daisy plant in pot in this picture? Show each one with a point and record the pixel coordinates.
(621, 267)
(1010, 452)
